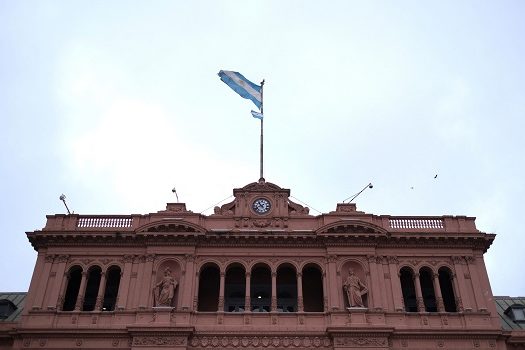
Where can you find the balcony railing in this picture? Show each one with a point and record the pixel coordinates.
(452, 224)
(417, 223)
(102, 222)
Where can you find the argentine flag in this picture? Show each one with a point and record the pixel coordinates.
(257, 115)
(242, 86)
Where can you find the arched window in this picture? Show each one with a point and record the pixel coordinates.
(93, 283)
(74, 277)
(447, 290)
(234, 289)
(209, 280)
(313, 298)
(409, 290)
(261, 288)
(427, 289)
(286, 289)
(111, 290)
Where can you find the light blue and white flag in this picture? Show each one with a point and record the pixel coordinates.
(257, 115)
(242, 86)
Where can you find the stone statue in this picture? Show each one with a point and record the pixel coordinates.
(355, 289)
(165, 289)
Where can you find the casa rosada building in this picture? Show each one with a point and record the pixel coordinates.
(261, 272)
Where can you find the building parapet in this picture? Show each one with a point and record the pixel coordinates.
(393, 224)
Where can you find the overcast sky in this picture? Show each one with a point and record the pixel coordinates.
(115, 102)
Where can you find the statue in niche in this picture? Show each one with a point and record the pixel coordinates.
(355, 289)
(164, 291)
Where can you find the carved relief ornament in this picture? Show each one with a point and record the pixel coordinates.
(362, 341)
(260, 342)
(159, 341)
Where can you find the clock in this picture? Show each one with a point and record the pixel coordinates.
(261, 206)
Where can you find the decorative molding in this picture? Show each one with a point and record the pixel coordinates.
(159, 341)
(392, 259)
(259, 342)
(458, 260)
(364, 342)
(63, 258)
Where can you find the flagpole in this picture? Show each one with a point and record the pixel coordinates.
(261, 152)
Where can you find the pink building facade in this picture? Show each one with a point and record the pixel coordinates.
(259, 273)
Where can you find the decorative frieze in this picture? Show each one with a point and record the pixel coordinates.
(363, 342)
(259, 342)
(159, 341)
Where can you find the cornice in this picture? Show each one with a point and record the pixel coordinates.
(479, 241)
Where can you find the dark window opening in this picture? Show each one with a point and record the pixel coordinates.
(93, 283)
(516, 312)
(408, 289)
(261, 289)
(209, 280)
(6, 308)
(234, 289)
(427, 289)
(111, 291)
(72, 289)
(313, 298)
(286, 289)
(447, 290)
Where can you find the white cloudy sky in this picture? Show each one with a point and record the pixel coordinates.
(115, 102)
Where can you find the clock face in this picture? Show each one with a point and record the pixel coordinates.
(261, 206)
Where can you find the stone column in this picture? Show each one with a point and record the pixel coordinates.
(35, 278)
(139, 279)
(42, 282)
(300, 292)
(101, 291)
(382, 277)
(187, 283)
(437, 292)
(463, 302)
(196, 294)
(419, 295)
(325, 292)
(248, 300)
(476, 284)
(395, 282)
(81, 291)
(56, 297)
(273, 306)
(221, 293)
(375, 286)
(146, 294)
(485, 285)
(454, 280)
(334, 296)
(124, 282)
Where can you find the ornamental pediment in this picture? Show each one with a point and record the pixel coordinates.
(171, 226)
(351, 226)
